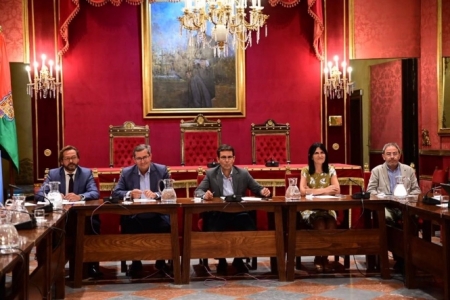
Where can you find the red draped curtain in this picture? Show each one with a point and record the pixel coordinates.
(70, 8)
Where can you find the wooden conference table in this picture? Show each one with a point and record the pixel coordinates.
(118, 247)
(49, 272)
(349, 241)
(421, 253)
(114, 247)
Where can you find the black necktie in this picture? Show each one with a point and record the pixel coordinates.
(70, 183)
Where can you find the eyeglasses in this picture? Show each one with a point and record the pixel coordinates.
(391, 154)
(141, 158)
(70, 158)
(226, 157)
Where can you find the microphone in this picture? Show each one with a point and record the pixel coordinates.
(110, 198)
(212, 164)
(430, 200)
(29, 224)
(360, 195)
(48, 208)
(272, 163)
(15, 187)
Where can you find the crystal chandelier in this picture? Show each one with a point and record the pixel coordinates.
(335, 85)
(44, 84)
(228, 22)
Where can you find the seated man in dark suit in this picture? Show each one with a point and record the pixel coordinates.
(225, 180)
(77, 184)
(141, 181)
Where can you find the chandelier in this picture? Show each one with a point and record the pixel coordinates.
(335, 85)
(228, 22)
(43, 84)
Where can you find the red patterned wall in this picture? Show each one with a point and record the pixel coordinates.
(386, 28)
(386, 104)
(427, 72)
(102, 84)
(12, 26)
(445, 28)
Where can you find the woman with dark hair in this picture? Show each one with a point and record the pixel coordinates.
(318, 178)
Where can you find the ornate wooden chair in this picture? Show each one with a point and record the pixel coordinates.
(270, 141)
(123, 139)
(200, 139)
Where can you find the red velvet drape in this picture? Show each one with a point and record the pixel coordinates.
(70, 8)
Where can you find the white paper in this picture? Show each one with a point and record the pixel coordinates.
(74, 202)
(143, 200)
(324, 196)
(30, 204)
(442, 205)
(251, 199)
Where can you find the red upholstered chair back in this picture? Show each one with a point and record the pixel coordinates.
(270, 141)
(439, 176)
(200, 139)
(123, 139)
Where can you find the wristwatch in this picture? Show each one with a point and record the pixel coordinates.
(82, 197)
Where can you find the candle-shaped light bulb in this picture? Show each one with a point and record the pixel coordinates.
(50, 63)
(336, 60)
(43, 61)
(330, 65)
(349, 71)
(326, 72)
(28, 71)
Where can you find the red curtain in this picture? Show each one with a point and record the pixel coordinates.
(70, 8)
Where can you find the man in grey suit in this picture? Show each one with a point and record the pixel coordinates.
(77, 184)
(383, 180)
(225, 180)
(141, 181)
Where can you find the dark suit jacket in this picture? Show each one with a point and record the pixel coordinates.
(242, 180)
(83, 184)
(129, 179)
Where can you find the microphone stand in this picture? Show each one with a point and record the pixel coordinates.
(360, 195)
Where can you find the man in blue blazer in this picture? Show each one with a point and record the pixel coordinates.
(82, 188)
(141, 181)
(225, 180)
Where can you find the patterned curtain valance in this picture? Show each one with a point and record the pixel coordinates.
(70, 8)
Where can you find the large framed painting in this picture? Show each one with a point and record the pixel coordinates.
(181, 78)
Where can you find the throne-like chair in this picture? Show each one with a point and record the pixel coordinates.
(270, 142)
(123, 139)
(200, 139)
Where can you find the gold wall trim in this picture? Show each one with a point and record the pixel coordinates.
(351, 30)
(26, 33)
(435, 152)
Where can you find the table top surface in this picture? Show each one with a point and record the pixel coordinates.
(279, 200)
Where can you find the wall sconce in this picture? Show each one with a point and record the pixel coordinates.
(44, 84)
(335, 85)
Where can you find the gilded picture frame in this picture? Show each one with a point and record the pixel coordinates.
(181, 80)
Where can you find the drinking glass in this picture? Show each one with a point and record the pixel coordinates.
(444, 199)
(39, 214)
(5, 216)
(437, 193)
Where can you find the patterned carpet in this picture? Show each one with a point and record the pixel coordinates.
(258, 284)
